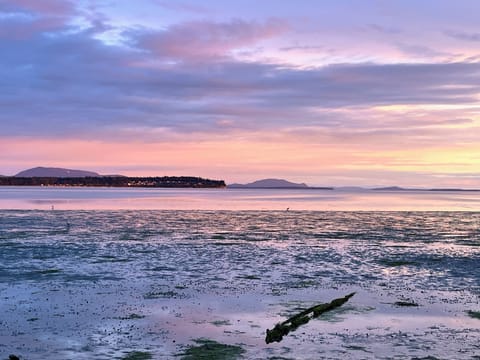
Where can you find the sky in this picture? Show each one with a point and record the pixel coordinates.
(332, 93)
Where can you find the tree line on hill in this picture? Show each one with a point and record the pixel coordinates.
(115, 181)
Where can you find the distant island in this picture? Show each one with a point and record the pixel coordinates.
(274, 184)
(66, 177)
(55, 172)
(391, 188)
(398, 188)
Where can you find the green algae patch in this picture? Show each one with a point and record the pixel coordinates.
(221, 323)
(405, 303)
(110, 259)
(250, 277)
(356, 348)
(211, 350)
(48, 271)
(138, 355)
(395, 262)
(302, 284)
(132, 316)
(473, 314)
(161, 295)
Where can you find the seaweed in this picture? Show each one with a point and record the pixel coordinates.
(48, 271)
(161, 295)
(249, 277)
(395, 262)
(405, 303)
(132, 316)
(292, 323)
(221, 322)
(212, 350)
(473, 314)
(138, 355)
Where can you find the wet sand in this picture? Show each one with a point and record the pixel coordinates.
(115, 283)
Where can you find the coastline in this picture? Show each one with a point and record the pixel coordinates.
(114, 181)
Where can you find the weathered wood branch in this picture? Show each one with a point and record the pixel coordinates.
(293, 322)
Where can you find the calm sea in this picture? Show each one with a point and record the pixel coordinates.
(43, 198)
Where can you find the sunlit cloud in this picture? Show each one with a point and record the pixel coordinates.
(236, 93)
(201, 40)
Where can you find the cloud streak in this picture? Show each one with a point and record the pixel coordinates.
(204, 40)
(44, 7)
(460, 35)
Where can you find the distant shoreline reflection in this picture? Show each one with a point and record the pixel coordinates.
(40, 198)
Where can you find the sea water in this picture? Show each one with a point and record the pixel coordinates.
(102, 284)
(92, 198)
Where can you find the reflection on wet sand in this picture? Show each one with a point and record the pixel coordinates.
(158, 282)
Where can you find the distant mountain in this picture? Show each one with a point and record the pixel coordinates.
(390, 188)
(452, 189)
(270, 183)
(351, 188)
(398, 188)
(55, 172)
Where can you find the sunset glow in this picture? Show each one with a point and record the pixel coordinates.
(329, 93)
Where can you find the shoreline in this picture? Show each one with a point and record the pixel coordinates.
(114, 181)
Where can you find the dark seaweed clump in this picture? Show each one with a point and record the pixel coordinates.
(138, 355)
(473, 314)
(395, 262)
(212, 350)
(405, 303)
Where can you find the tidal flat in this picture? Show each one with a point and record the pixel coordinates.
(207, 284)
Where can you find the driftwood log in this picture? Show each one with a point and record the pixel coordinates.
(293, 322)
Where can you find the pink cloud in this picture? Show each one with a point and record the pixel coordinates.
(44, 7)
(21, 29)
(183, 7)
(29, 17)
(202, 39)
